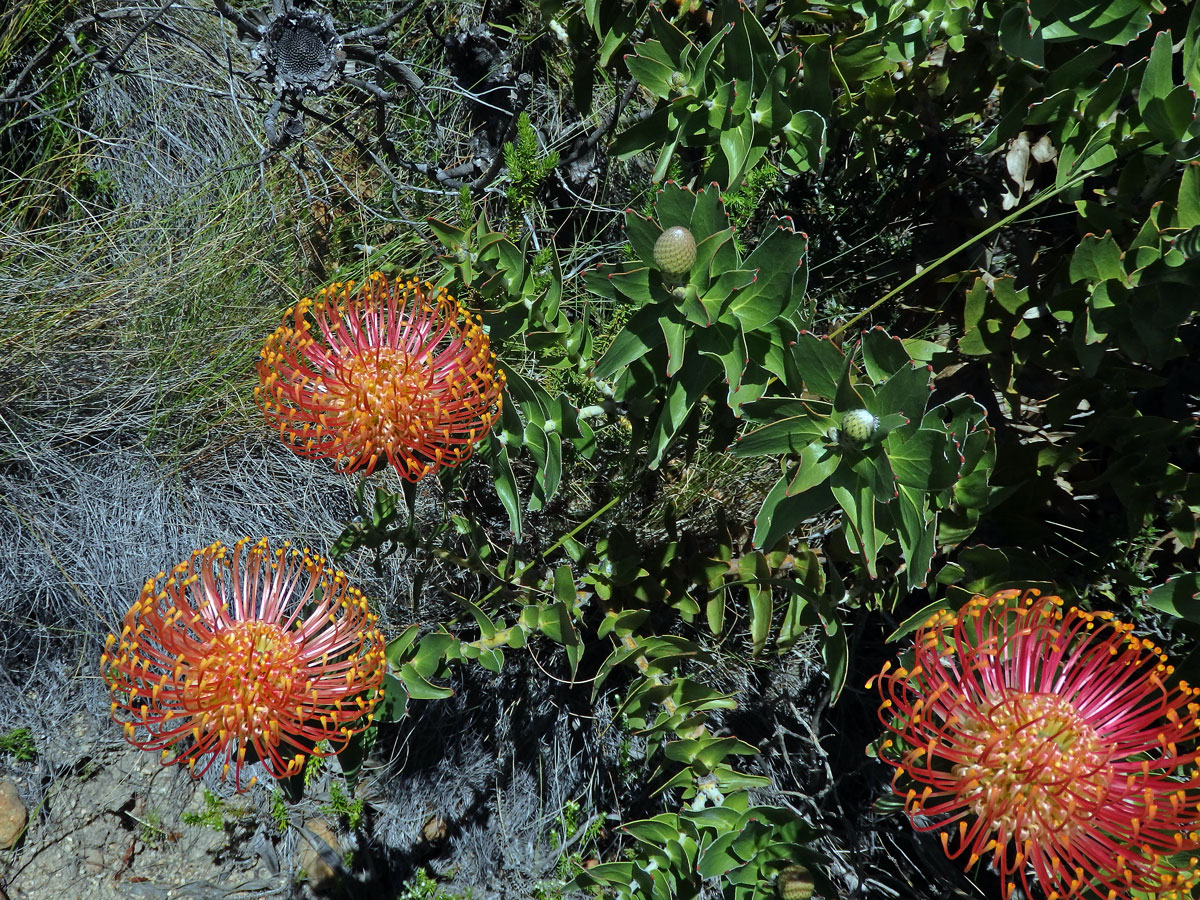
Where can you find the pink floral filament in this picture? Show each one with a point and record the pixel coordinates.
(1051, 744)
(392, 371)
(254, 649)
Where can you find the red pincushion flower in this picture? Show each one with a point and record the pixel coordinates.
(258, 649)
(392, 371)
(1049, 741)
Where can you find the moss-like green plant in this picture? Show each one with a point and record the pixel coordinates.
(527, 165)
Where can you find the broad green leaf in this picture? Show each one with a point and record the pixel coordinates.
(1179, 596)
(645, 135)
(1187, 205)
(820, 363)
(775, 261)
(684, 390)
(419, 687)
(790, 435)
(1097, 259)
(883, 355)
(906, 393)
(1170, 118)
(1156, 79)
(640, 334)
(817, 462)
(1191, 50)
(708, 216)
(916, 528)
(398, 647)
(755, 574)
(393, 700)
(917, 619)
(641, 234)
(505, 482)
(781, 513)
(674, 205)
(857, 500)
(923, 459)
(651, 66)
(707, 751)
(1018, 40)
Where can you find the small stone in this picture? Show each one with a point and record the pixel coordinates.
(435, 830)
(93, 861)
(319, 874)
(13, 815)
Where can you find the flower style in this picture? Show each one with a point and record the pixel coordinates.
(395, 371)
(1052, 742)
(254, 649)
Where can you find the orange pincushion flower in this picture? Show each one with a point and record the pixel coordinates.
(391, 371)
(258, 649)
(1051, 742)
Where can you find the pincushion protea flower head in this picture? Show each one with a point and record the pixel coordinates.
(255, 651)
(1052, 743)
(391, 371)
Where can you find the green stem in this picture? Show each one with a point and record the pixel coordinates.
(1015, 214)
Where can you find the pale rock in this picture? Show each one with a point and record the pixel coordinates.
(12, 815)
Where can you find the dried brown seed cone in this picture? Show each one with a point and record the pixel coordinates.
(675, 252)
(794, 883)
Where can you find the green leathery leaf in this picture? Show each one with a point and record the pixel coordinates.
(393, 700)
(398, 647)
(820, 363)
(708, 215)
(916, 529)
(1156, 78)
(421, 688)
(640, 335)
(790, 435)
(1178, 596)
(674, 333)
(707, 751)
(684, 390)
(775, 262)
(641, 234)
(857, 500)
(781, 513)
(674, 205)
(1187, 205)
(906, 393)
(883, 355)
(923, 458)
(1170, 118)
(652, 67)
(1097, 259)
(505, 482)
(646, 135)
(761, 607)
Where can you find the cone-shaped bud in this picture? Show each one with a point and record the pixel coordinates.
(675, 252)
(794, 883)
(858, 425)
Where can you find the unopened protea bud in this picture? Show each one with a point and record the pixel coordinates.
(794, 883)
(675, 252)
(858, 425)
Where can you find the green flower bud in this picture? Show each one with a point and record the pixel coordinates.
(794, 883)
(675, 252)
(858, 425)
